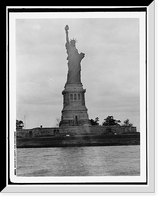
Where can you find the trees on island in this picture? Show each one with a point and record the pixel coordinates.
(94, 122)
(19, 124)
(57, 122)
(127, 123)
(110, 121)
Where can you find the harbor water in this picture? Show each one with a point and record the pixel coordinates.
(79, 161)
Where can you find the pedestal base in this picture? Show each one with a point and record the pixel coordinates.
(75, 130)
(74, 111)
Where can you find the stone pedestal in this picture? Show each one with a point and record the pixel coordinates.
(74, 111)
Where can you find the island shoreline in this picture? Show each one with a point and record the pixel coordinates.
(78, 141)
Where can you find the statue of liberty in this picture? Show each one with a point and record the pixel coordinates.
(74, 60)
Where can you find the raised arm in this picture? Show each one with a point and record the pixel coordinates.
(66, 31)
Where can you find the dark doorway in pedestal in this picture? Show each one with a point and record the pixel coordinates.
(76, 120)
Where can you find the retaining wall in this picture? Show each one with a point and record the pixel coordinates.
(74, 130)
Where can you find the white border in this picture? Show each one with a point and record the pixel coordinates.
(141, 16)
(143, 96)
(60, 15)
(13, 99)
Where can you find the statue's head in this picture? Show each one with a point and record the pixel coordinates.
(73, 42)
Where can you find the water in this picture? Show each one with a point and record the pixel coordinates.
(79, 161)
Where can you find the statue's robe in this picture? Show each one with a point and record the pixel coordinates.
(74, 67)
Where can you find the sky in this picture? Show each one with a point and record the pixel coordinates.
(109, 70)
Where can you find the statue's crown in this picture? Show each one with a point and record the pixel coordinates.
(73, 41)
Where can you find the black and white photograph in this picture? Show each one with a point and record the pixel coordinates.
(97, 116)
(78, 95)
